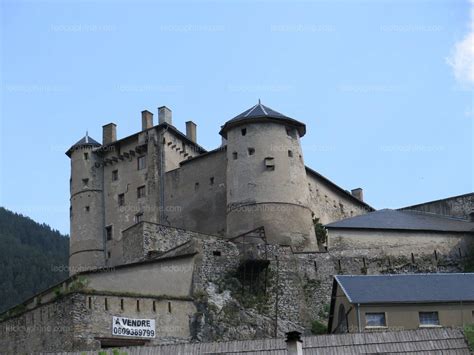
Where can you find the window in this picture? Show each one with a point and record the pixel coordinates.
(216, 253)
(211, 181)
(291, 132)
(141, 192)
(85, 182)
(108, 232)
(115, 175)
(234, 155)
(428, 318)
(121, 199)
(290, 154)
(87, 208)
(86, 156)
(244, 131)
(375, 320)
(251, 151)
(141, 162)
(270, 163)
(196, 186)
(108, 255)
(138, 217)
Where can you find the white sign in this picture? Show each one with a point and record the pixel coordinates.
(128, 327)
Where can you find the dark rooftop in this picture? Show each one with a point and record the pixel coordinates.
(404, 220)
(85, 141)
(412, 288)
(262, 113)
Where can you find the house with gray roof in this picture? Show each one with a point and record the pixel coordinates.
(362, 303)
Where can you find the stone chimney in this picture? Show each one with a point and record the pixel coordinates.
(109, 133)
(191, 131)
(294, 344)
(147, 120)
(164, 115)
(358, 193)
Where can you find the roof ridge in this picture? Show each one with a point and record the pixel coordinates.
(433, 214)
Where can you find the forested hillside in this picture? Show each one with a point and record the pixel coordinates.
(33, 257)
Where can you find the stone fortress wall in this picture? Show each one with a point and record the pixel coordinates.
(162, 176)
(201, 279)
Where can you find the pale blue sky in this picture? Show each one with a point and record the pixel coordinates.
(371, 80)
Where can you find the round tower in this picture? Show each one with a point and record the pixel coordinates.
(266, 178)
(86, 243)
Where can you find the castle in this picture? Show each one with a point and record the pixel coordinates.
(257, 178)
(171, 243)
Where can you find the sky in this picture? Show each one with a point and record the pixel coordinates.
(384, 87)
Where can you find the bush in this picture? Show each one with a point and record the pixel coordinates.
(469, 333)
(318, 328)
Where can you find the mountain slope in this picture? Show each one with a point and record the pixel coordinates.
(33, 257)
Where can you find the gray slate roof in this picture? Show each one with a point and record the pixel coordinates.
(422, 341)
(260, 113)
(412, 288)
(83, 142)
(409, 220)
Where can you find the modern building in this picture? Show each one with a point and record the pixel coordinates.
(362, 303)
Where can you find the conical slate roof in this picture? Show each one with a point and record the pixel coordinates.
(85, 141)
(262, 113)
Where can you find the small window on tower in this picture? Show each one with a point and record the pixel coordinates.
(138, 217)
(86, 156)
(108, 232)
(141, 162)
(87, 208)
(270, 163)
(85, 183)
(251, 151)
(115, 175)
(141, 192)
(211, 181)
(291, 132)
(234, 155)
(196, 186)
(244, 131)
(290, 154)
(121, 199)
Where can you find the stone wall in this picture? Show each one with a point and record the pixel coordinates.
(48, 326)
(78, 321)
(195, 194)
(329, 204)
(457, 206)
(396, 243)
(144, 238)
